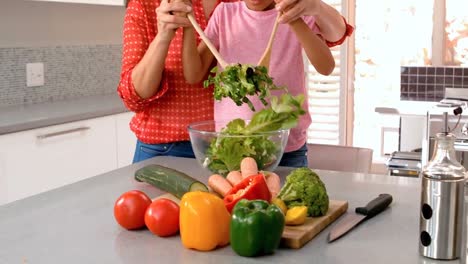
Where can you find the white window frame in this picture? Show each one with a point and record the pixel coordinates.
(346, 89)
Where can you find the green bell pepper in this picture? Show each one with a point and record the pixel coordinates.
(256, 227)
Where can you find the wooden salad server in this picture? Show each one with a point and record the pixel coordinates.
(265, 59)
(208, 43)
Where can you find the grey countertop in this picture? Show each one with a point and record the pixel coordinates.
(19, 118)
(75, 224)
(406, 108)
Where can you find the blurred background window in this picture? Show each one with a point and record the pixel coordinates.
(388, 34)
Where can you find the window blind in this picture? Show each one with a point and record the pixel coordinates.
(325, 100)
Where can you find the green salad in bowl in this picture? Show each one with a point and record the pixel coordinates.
(220, 146)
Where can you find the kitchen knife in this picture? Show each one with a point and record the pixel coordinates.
(351, 220)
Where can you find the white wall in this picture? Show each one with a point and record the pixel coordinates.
(25, 23)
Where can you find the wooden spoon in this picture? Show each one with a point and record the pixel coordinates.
(265, 59)
(208, 43)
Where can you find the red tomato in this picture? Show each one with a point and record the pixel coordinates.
(130, 208)
(162, 217)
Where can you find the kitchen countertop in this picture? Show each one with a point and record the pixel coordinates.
(24, 117)
(75, 224)
(406, 108)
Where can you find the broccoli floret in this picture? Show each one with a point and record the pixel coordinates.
(304, 187)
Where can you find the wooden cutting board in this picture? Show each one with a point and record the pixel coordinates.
(298, 236)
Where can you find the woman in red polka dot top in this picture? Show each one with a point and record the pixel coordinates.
(152, 83)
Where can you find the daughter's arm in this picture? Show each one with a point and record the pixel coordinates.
(316, 50)
(195, 61)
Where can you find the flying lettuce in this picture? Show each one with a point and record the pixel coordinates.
(239, 81)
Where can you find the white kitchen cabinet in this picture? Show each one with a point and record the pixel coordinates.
(42, 159)
(401, 127)
(94, 2)
(126, 139)
(412, 129)
(3, 179)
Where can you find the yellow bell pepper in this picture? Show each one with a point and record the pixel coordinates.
(280, 204)
(204, 221)
(296, 215)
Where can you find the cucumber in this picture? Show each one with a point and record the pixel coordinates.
(169, 180)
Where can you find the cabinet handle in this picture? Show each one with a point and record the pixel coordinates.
(54, 134)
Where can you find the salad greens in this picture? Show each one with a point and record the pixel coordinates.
(240, 139)
(240, 80)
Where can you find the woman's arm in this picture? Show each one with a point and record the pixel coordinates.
(332, 25)
(317, 51)
(147, 74)
(196, 61)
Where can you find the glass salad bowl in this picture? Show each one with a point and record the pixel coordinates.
(220, 151)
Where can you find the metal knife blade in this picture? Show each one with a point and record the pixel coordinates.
(350, 220)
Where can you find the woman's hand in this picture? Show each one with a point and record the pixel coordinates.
(328, 19)
(170, 17)
(294, 9)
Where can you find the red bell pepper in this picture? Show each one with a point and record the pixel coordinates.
(251, 188)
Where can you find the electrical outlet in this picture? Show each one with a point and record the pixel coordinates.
(34, 74)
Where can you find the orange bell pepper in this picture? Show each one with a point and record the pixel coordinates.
(204, 221)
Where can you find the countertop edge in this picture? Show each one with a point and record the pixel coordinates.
(405, 108)
(26, 120)
(57, 121)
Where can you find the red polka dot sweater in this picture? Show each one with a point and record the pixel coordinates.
(164, 117)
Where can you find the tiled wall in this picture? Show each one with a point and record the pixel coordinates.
(429, 83)
(69, 71)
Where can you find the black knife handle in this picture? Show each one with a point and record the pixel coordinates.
(375, 206)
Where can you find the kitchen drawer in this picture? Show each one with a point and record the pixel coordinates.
(41, 159)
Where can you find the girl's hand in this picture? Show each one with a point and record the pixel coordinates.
(170, 17)
(294, 9)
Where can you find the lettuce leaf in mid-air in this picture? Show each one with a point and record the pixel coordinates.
(239, 81)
